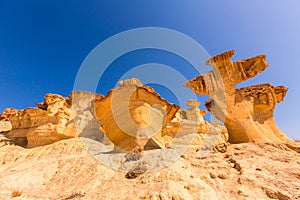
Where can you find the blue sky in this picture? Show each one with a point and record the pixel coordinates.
(43, 43)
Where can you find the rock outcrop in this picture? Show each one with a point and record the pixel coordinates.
(33, 127)
(4, 116)
(5, 124)
(83, 115)
(133, 116)
(247, 112)
(55, 119)
(190, 128)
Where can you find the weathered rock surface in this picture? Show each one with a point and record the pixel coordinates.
(4, 116)
(83, 115)
(55, 119)
(190, 128)
(5, 124)
(133, 116)
(44, 125)
(194, 114)
(65, 170)
(48, 134)
(247, 112)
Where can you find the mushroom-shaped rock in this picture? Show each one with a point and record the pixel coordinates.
(194, 114)
(247, 112)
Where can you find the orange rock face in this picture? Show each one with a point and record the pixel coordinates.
(33, 127)
(134, 115)
(5, 124)
(55, 119)
(247, 112)
(4, 116)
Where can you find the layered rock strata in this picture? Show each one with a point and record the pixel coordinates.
(33, 127)
(55, 119)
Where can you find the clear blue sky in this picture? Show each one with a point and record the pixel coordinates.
(43, 43)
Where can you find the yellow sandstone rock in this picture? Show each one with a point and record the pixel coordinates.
(133, 116)
(5, 126)
(247, 112)
(55, 119)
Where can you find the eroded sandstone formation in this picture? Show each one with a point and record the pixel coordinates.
(5, 124)
(55, 119)
(133, 116)
(83, 115)
(247, 112)
(33, 127)
(190, 128)
(4, 116)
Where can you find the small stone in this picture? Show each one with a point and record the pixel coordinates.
(227, 156)
(212, 175)
(136, 172)
(237, 148)
(223, 176)
(183, 156)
